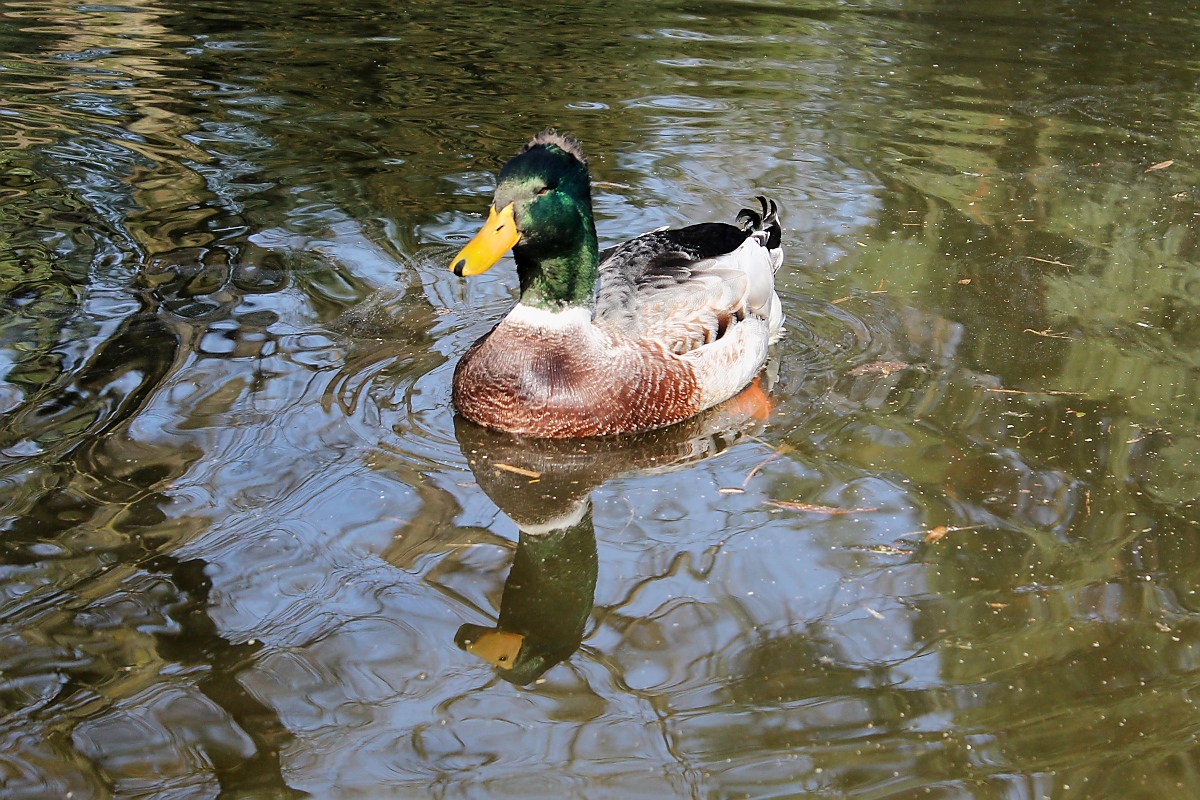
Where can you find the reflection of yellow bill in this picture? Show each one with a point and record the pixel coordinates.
(495, 238)
(498, 648)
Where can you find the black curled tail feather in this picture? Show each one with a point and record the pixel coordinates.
(767, 220)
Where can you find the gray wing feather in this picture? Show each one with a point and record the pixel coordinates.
(685, 285)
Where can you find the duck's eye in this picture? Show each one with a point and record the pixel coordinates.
(544, 190)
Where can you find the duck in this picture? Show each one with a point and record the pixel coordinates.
(638, 336)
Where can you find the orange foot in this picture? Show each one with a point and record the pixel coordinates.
(752, 402)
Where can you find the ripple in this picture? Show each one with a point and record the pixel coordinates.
(677, 102)
(242, 525)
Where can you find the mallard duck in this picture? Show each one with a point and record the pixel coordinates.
(641, 335)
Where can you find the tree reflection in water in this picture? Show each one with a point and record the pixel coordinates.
(238, 532)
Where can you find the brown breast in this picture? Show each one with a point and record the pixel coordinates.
(549, 383)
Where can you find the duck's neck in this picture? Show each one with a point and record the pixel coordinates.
(555, 279)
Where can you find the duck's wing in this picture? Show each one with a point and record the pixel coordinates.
(684, 287)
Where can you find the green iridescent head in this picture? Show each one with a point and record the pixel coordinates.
(543, 211)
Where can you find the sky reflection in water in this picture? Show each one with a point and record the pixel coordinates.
(248, 551)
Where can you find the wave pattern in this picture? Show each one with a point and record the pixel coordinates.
(242, 531)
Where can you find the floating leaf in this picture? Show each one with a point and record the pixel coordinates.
(813, 509)
(528, 473)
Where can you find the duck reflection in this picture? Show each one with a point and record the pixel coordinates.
(545, 485)
(547, 599)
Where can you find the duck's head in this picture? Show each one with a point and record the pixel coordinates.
(542, 211)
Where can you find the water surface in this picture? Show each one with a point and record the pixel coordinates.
(249, 552)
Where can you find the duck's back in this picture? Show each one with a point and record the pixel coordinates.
(699, 279)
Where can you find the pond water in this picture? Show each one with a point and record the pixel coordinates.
(248, 551)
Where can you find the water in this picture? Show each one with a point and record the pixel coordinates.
(248, 551)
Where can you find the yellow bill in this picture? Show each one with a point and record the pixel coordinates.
(495, 238)
(498, 648)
